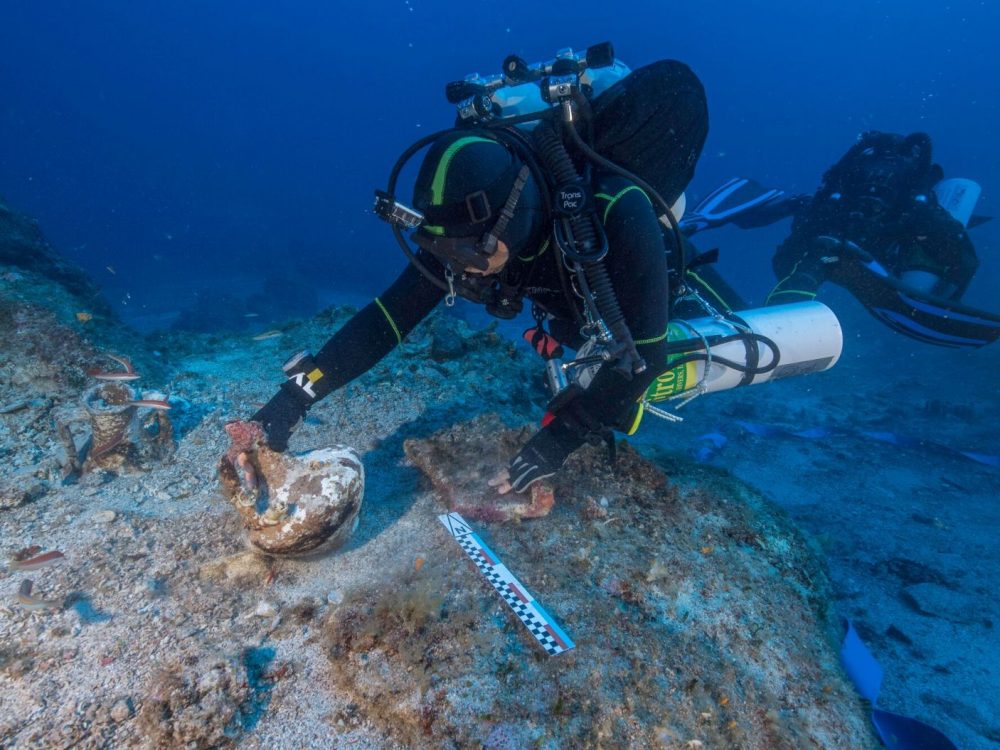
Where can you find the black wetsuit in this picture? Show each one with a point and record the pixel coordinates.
(656, 118)
(638, 267)
(879, 197)
(924, 237)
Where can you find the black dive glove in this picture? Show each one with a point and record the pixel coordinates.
(285, 411)
(543, 455)
(280, 417)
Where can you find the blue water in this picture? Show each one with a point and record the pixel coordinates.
(183, 144)
(181, 151)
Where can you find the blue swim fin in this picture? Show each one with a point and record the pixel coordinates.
(896, 732)
(920, 316)
(742, 202)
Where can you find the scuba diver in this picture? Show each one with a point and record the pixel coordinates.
(507, 214)
(536, 195)
(885, 225)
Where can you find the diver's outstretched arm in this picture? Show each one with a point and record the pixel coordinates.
(364, 340)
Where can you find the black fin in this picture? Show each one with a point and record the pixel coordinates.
(739, 201)
(915, 314)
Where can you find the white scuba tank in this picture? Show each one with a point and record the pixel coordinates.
(807, 335)
(958, 196)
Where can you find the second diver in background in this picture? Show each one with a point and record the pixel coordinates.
(878, 226)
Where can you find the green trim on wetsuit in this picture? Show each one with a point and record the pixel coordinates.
(613, 199)
(539, 254)
(637, 420)
(388, 317)
(710, 289)
(655, 339)
(441, 174)
(636, 236)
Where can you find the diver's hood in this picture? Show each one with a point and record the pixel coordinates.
(882, 171)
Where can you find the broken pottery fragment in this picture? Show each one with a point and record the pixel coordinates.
(291, 504)
(460, 461)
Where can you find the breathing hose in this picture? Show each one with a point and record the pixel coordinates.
(577, 236)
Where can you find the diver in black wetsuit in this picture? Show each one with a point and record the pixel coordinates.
(488, 236)
(878, 196)
(875, 227)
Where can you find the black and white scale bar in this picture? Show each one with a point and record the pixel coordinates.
(531, 613)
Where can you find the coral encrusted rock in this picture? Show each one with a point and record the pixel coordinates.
(292, 503)
(195, 703)
(23, 245)
(699, 616)
(460, 461)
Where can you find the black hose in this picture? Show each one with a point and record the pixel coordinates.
(750, 370)
(396, 231)
(586, 250)
(653, 194)
(509, 137)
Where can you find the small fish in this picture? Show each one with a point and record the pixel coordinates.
(111, 270)
(38, 561)
(123, 361)
(251, 315)
(150, 403)
(129, 374)
(116, 376)
(26, 600)
(84, 316)
(266, 335)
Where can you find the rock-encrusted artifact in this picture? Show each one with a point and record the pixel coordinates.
(462, 459)
(112, 420)
(291, 504)
(156, 431)
(125, 434)
(195, 702)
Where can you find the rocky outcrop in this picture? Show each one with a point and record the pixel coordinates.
(699, 615)
(22, 245)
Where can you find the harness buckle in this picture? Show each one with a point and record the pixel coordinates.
(478, 206)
